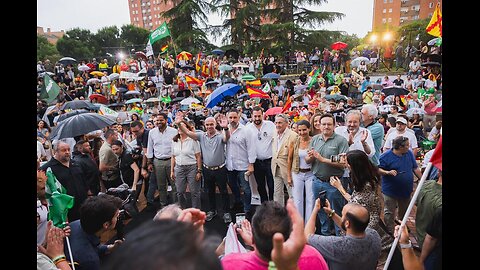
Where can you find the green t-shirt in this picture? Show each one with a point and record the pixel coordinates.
(429, 199)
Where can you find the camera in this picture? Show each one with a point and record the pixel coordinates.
(335, 158)
(323, 197)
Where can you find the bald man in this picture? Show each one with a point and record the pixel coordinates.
(358, 249)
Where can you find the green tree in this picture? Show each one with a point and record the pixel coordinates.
(46, 50)
(291, 24)
(107, 39)
(244, 24)
(135, 37)
(187, 21)
(415, 29)
(77, 43)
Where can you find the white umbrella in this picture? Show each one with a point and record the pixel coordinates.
(356, 62)
(189, 101)
(410, 112)
(93, 81)
(240, 64)
(152, 99)
(113, 76)
(83, 68)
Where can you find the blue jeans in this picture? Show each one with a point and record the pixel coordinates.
(336, 203)
(236, 179)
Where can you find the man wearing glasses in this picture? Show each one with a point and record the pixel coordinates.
(263, 131)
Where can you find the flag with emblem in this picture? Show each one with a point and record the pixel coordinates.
(193, 80)
(256, 93)
(159, 33)
(58, 200)
(267, 88)
(434, 28)
(50, 89)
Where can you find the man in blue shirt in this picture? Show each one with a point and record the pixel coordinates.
(397, 167)
(369, 115)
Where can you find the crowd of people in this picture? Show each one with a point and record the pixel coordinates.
(322, 181)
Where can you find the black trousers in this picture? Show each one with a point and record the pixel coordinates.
(219, 178)
(263, 173)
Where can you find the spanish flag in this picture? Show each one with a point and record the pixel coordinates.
(256, 93)
(287, 105)
(164, 49)
(255, 83)
(193, 80)
(434, 28)
(197, 62)
(113, 89)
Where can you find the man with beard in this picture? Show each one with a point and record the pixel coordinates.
(83, 156)
(70, 175)
(159, 153)
(263, 131)
(358, 249)
(240, 159)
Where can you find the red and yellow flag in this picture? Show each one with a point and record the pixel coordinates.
(287, 105)
(197, 61)
(193, 80)
(434, 28)
(254, 83)
(164, 48)
(256, 93)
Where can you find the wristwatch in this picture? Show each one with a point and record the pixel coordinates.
(407, 245)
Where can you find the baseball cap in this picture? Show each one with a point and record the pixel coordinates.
(401, 120)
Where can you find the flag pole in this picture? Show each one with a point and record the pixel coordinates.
(407, 213)
(70, 252)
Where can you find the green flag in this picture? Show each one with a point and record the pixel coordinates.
(159, 33)
(166, 99)
(313, 79)
(50, 89)
(58, 200)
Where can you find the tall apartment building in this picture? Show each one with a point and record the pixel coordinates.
(146, 13)
(394, 13)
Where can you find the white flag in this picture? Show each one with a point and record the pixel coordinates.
(149, 49)
(266, 88)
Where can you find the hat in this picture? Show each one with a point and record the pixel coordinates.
(401, 120)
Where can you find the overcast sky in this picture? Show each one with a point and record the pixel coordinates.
(95, 14)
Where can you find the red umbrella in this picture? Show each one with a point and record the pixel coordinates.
(141, 54)
(274, 111)
(339, 45)
(100, 98)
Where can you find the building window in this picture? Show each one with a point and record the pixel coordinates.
(389, 19)
(150, 24)
(384, 20)
(384, 10)
(430, 5)
(384, 1)
(133, 5)
(430, 14)
(391, 1)
(389, 10)
(149, 17)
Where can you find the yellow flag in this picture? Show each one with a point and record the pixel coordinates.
(434, 28)
(113, 91)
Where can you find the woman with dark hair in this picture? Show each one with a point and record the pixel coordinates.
(397, 101)
(366, 191)
(299, 171)
(186, 166)
(43, 129)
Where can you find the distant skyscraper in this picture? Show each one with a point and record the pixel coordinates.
(146, 13)
(394, 13)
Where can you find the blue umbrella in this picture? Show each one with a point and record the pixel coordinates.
(218, 52)
(225, 90)
(271, 75)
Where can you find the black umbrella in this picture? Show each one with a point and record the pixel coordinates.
(336, 97)
(432, 57)
(77, 104)
(187, 67)
(393, 90)
(70, 114)
(67, 61)
(232, 53)
(120, 104)
(177, 99)
(122, 89)
(211, 82)
(81, 124)
(430, 64)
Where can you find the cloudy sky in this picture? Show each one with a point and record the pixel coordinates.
(95, 14)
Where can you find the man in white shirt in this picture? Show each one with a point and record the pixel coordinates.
(401, 130)
(159, 153)
(414, 67)
(263, 132)
(240, 159)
